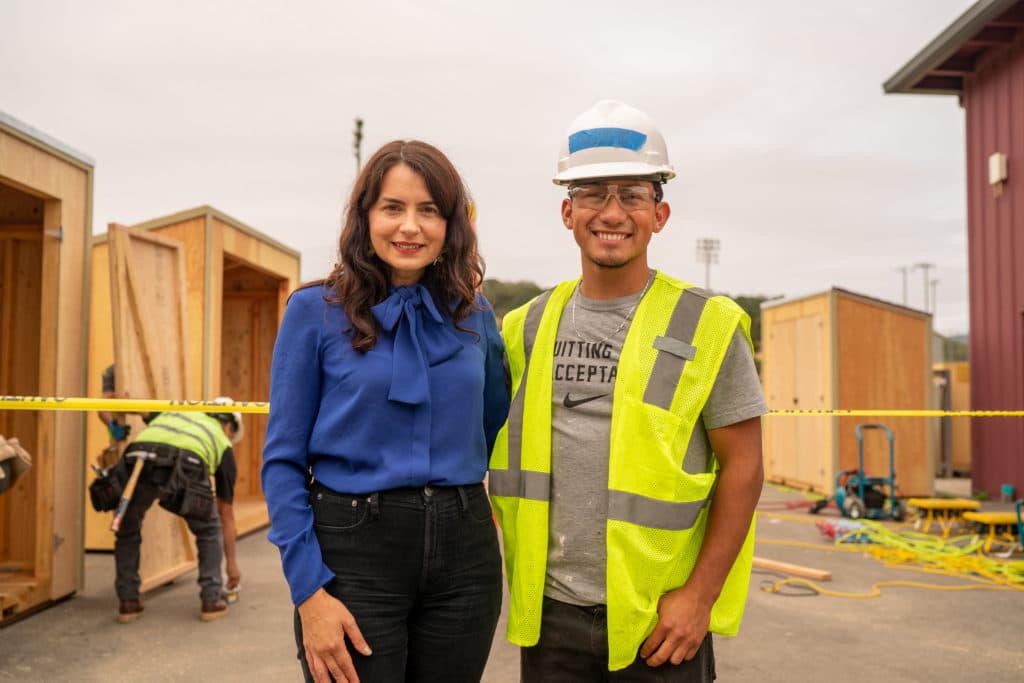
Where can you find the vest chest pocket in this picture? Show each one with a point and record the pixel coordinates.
(673, 354)
(651, 428)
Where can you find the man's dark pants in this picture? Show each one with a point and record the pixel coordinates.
(573, 647)
(209, 540)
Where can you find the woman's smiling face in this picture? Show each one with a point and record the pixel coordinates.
(407, 229)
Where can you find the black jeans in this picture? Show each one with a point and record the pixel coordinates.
(573, 647)
(420, 570)
(128, 540)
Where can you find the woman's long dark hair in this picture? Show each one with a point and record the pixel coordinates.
(360, 279)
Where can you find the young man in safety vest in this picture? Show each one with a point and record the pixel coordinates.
(626, 477)
(181, 451)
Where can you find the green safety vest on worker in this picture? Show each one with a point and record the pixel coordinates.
(657, 504)
(194, 432)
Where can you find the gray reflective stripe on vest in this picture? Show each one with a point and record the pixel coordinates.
(656, 514)
(513, 481)
(519, 484)
(211, 460)
(674, 348)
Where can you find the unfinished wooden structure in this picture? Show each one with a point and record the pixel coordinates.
(237, 282)
(45, 224)
(841, 350)
(953, 392)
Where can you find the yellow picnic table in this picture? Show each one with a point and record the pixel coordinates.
(946, 512)
(998, 526)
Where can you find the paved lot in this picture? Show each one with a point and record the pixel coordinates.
(908, 634)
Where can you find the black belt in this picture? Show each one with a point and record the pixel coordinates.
(409, 494)
(163, 454)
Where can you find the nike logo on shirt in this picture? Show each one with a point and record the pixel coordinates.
(570, 402)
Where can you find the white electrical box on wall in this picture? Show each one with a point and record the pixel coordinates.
(996, 168)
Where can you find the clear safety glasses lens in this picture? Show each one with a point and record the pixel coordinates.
(630, 197)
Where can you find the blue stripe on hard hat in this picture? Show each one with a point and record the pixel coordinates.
(622, 138)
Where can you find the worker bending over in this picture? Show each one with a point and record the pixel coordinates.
(181, 451)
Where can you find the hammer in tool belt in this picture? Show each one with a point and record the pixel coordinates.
(129, 489)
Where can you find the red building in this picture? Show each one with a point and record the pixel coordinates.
(980, 59)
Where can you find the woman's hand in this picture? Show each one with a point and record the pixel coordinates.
(325, 623)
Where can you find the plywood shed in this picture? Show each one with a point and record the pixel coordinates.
(45, 224)
(841, 350)
(953, 388)
(237, 282)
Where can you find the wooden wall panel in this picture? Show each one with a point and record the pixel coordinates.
(248, 330)
(191, 233)
(884, 362)
(796, 369)
(960, 399)
(98, 535)
(21, 262)
(147, 279)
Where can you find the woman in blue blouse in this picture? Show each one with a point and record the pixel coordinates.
(387, 392)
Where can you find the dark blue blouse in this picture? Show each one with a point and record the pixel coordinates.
(423, 407)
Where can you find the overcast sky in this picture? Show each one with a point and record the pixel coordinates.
(785, 147)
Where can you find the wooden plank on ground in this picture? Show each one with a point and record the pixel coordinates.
(792, 569)
(147, 291)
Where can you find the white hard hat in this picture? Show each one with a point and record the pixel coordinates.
(613, 140)
(229, 416)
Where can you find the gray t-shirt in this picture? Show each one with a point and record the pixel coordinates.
(583, 382)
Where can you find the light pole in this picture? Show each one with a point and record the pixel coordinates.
(925, 267)
(903, 270)
(707, 253)
(357, 143)
(934, 283)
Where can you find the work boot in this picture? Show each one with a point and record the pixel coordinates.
(213, 609)
(129, 611)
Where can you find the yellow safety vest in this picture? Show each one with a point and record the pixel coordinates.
(198, 433)
(657, 502)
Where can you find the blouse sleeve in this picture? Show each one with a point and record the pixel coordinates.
(496, 388)
(294, 404)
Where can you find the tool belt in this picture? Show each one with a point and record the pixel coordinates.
(180, 475)
(105, 490)
(187, 491)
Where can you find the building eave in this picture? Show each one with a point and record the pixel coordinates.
(938, 69)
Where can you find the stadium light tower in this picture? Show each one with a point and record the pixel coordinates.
(707, 253)
(903, 270)
(925, 267)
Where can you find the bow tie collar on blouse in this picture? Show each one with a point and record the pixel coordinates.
(421, 339)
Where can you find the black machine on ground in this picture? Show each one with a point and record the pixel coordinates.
(858, 495)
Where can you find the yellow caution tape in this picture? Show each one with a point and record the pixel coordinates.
(127, 405)
(903, 413)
